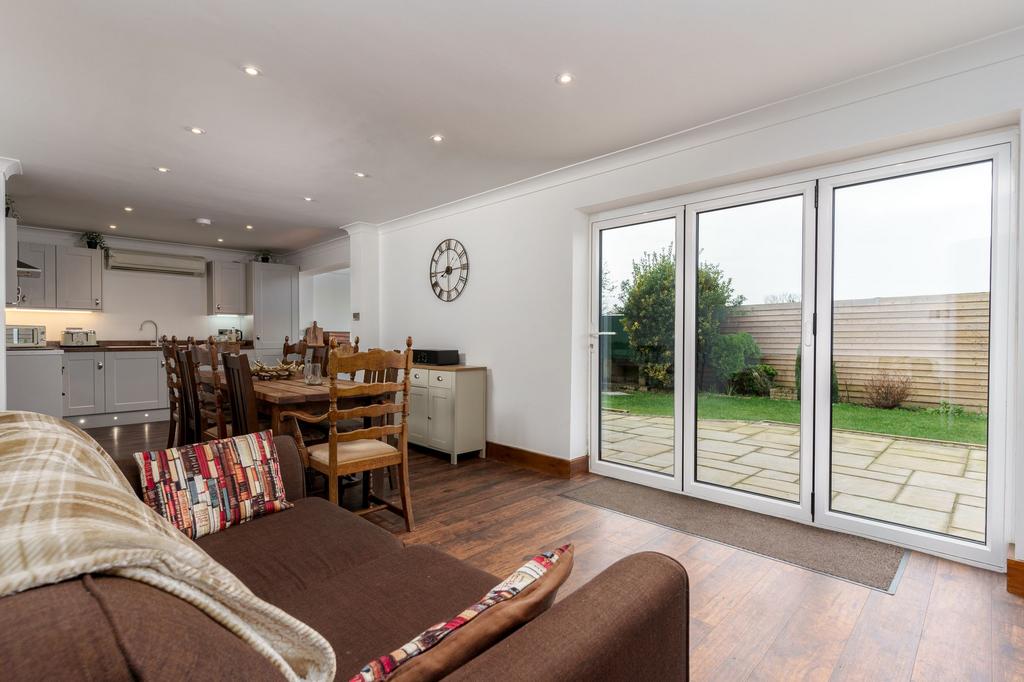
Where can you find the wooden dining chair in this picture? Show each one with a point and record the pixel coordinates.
(212, 406)
(175, 430)
(300, 348)
(241, 396)
(365, 449)
(191, 423)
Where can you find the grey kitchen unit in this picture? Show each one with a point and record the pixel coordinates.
(38, 291)
(111, 382)
(34, 380)
(84, 389)
(448, 408)
(79, 278)
(10, 262)
(225, 288)
(273, 301)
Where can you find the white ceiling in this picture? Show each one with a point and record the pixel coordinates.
(94, 95)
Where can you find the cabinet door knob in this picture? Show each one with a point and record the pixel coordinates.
(218, 306)
(97, 301)
(163, 363)
(99, 365)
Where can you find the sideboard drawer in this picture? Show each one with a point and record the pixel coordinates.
(446, 379)
(419, 377)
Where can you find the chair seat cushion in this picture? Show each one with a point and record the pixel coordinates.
(352, 451)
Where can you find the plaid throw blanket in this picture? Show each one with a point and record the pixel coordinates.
(66, 510)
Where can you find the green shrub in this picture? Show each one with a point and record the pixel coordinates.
(648, 315)
(731, 353)
(757, 380)
(835, 378)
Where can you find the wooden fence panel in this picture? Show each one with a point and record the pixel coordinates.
(940, 341)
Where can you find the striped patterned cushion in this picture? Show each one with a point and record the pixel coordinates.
(207, 487)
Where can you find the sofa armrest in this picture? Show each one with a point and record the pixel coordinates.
(631, 622)
(292, 470)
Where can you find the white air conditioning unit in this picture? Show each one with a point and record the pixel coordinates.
(147, 261)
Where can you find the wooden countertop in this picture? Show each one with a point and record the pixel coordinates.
(448, 368)
(131, 346)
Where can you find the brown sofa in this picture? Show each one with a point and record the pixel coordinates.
(362, 589)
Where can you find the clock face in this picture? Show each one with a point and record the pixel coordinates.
(449, 270)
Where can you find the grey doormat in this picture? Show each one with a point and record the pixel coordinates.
(858, 560)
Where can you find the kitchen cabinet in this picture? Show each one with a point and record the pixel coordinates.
(84, 387)
(419, 425)
(134, 380)
(10, 261)
(34, 381)
(39, 291)
(447, 408)
(79, 278)
(225, 288)
(273, 300)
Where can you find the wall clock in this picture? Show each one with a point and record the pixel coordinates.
(449, 270)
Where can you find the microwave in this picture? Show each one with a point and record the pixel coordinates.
(26, 336)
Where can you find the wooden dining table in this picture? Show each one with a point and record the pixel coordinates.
(274, 396)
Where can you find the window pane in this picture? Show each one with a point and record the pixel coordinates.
(637, 348)
(748, 345)
(910, 345)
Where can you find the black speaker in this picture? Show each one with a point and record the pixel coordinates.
(435, 357)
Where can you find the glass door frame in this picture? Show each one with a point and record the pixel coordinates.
(801, 511)
(1001, 361)
(624, 472)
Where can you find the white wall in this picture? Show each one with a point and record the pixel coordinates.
(331, 307)
(524, 313)
(176, 303)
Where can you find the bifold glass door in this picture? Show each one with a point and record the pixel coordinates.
(747, 400)
(912, 418)
(636, 346)
(834, 351)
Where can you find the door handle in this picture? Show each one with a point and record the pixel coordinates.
(597, 334)
(809, 333)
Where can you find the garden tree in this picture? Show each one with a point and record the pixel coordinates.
(648, 310)
(648, 315)
(719, 356)
(611, 302)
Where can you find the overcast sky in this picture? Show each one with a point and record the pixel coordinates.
(910, 236)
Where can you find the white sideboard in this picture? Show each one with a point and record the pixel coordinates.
(448, 408)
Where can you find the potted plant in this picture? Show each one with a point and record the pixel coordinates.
(94, 240)
(264, 256)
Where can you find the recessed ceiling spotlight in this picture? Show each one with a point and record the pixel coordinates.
(196, 130)
(251, 70)
(163, 169)
(113, 227)
(128, 209)
(204, 221)
(361, 174)
(248, 227)
(307, 198)
(564, 78)
(219, 239)
(437, 137)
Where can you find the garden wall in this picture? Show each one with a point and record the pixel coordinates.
(940, 341)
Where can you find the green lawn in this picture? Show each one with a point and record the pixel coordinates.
(918, 423)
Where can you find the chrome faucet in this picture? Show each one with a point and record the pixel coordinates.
(156, 330)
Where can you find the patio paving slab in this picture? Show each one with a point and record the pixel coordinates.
(925, 484)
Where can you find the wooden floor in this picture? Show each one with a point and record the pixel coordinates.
(750, 617)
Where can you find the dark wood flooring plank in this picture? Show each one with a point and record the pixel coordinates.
(883, 645)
